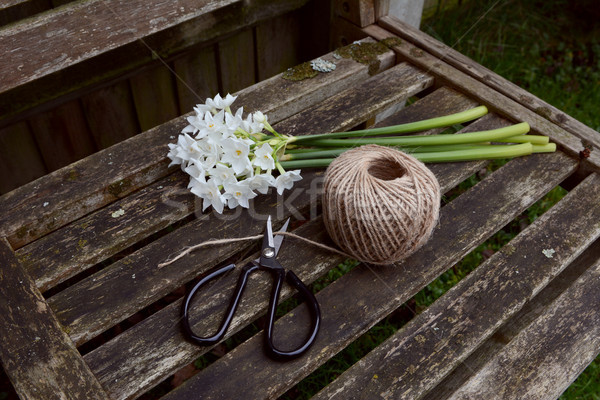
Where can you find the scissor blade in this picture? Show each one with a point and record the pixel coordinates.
(273, 242)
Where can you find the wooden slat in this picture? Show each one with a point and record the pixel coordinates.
(166, 340)
(278, 45)
(86, 317)
(154, 96)
(80, 245)
(197, 77)
(488, 77)
(490, 97)
(110, 114)
(419, 356)
(62, 135)
(36, 354)
(113, 173)
(359, 12)
(464, 223)
(530, 312)
(552, 351)
(236, 61)
(83, 43)
(20, 159)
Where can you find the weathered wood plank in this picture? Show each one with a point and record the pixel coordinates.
(62, 135)
(550, 353)
(488, 77)
(20, 159)
(85, 322)
(496, 101)
(82, 244)
(419, 356)
(359, 12)
(530, 312)
(464, 223)
(110, 114)
(166, 342)
(236, 61)
(113, 173)
(67, 50)
(154, 97)
(278, 45)
(197, 77)
(36, 353)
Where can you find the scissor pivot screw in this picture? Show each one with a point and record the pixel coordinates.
(268, 252)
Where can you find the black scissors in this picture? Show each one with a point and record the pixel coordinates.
(266, 262)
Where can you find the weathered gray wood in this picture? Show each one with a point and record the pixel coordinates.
(359, 12)
(236, 61)
(110, 114)
(496, 101)
(550, 353)
(87, 241)
(36, 354)
(62, 135)
(197, 77)
(415, 359)
(488, 77)
(530, 312)
(65, 195)
(20, 159)
(67, 50)
(464, 223)
(278, 45)
(87, 313)
(166, 341)
(154, 96)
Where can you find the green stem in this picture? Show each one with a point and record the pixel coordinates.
(429, 140)
(479, 153)
(418, 126)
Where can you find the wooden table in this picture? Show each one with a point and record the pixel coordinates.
(81, 245)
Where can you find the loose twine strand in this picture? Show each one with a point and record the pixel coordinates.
(216, 242)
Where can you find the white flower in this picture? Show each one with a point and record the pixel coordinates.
(251, 126)
(222, 174)
(235, 152)
(196, 172)
(264, 158)
(286, 181)
(221, 103)
(195, 125)
(172, 154)
(259, 117)
(210, 193)
(186, 150)
(262, 182)
(211, 153)
(238, 194)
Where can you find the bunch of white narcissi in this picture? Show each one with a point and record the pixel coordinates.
(228, 157)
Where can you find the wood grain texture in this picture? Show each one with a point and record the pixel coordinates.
(153, 92)
(375, 292)
(197, 77)
(84, 43)
(86, 317)
(278, 44)
(496, 101)
(62, 135)
(236, 61)
(528, 314)
(110, 114)
(15, 10)
(65, 195)
(415, 359)
(488, 77)
(36, 353)
(20, 158)
(359, 12)
(138, 361)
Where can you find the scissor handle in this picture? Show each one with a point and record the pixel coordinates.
(313, 307)
(233, 304)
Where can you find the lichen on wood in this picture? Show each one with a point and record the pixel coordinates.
(364, 53)
(299, 72)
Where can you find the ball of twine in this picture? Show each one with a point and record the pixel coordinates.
(379, 204)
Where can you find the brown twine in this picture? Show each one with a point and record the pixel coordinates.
(379, 204)
(215, 242)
